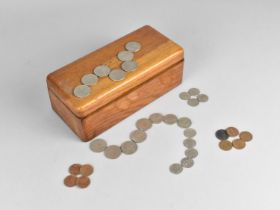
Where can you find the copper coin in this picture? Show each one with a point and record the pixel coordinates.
(74, 169)
(83, 181)
(232, 131)
(86, 170)
(225, 145)
(246, 136)
(238, 144)
(70, 181)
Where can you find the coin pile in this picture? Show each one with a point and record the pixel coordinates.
(239, 138)
(128, 65)
(139, 135)
(79, 175)
(193, 97)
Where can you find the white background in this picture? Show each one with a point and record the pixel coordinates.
(232, 54)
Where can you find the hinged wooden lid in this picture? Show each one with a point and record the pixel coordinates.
(156, 55)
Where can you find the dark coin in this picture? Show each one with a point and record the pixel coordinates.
(221, 134)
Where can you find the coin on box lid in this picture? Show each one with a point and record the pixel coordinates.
(133, 46)
(81, 91)
(125, 56)
(102, 70)
(117, 75)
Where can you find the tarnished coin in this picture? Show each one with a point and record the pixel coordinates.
(98, 145)
(189, 132)
(125, 56)
(184, 122)
(70, 181)
(221, 134)
(170, 119)
(193, 102)
(189, 143)
(232, 131)
(176, 168)
(187, 162)
(81, 91)
(83, 181)
(143, 124)
(86, 170)
(184, 96)
(238, 144)
(225, 145)
(102, 70)
(202, 98)
(138, 136)
(117, 75)
(74, 169)
(129, 66)
(156, 118)
(128, 147)
(246, 136)
(191, 153)
(89, 79)
(133, 46)
(193, 91)
(112, 152)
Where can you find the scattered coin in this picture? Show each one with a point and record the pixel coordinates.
(133, 46)
(98, 145)
(102, 70)
(138, 136)
(81, 91)
(156, 118)
(86, 170)
(117, 75)
(193, 102)
(246, 136)
(184, 122)
(221, 134)
(202, 98)
(74, 169)
(170, 119)
(176, 168)
(89, 79)
(189, 143)
(128, 147)
(232, 131)
(184, 96)
(189, 132)
(225, 145)
(191, 153)
(143, 124)
(112, 152)
(238, 144)
(194, 91)
(83, 181)
(70, 181)
(129, 66)
(125, 56)
(187, 162)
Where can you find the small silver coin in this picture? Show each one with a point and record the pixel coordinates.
(193, 102)
(125, 56)
(156, 118)
(117, 75)
(138, 136)
(184, 96)
(187, 162)
(175, 168)
(189, 132)
(102, 70)
(129, 66)
(189, 143)
(191, 153)
(112, 152)
(89, 79)
(143, 124)
(133, 46)
(81, 91)
(202, 98)
(184, 122)
(170, 119)
(129, 147)
(98, 145)
(193, 91)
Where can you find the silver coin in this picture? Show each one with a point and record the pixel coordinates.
(102, 70)
(187, 162)
(133, 46)
(202, 98)
(156, 118)
(175, 168)
(184, 96)
(193, 102)
(184, 122)
(125, 56)
(138, 136)
(89, 79)
(112, 152)
(193, 91)
(143, 124)
(191, 153)
(189, 132)
(81, 91)
(117, 75)
(98, 145)
(189, 143)
(128, 147)
(170, 119)
(129, 66)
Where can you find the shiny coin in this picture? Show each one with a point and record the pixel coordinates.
(170, 119)
(129, 66)
(187, 162)
(221, 134)
(133, 46)
(128, 147)
(81, 91)
(189, 143)
(89, 79)
(246, 136)
(156, 118)
(225, 145)
(70, 181)
(191, 153)
(98, 145)
(193, 91)
(138, 136)
(184, 122)
(184, 96)
(86, 170)
(112, 152)
(83, 181)
(232, 131)
(74, 169)
(193, 102)
(176, 168)
(125, 56)
(117, 75)
(102, 70)
(143, 124)
(238, 144)
(189, 132)
(202, 98)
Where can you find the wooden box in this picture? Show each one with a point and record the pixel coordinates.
(160, 67)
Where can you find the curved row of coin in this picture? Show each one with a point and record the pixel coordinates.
(128, 65)
(139, 135)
